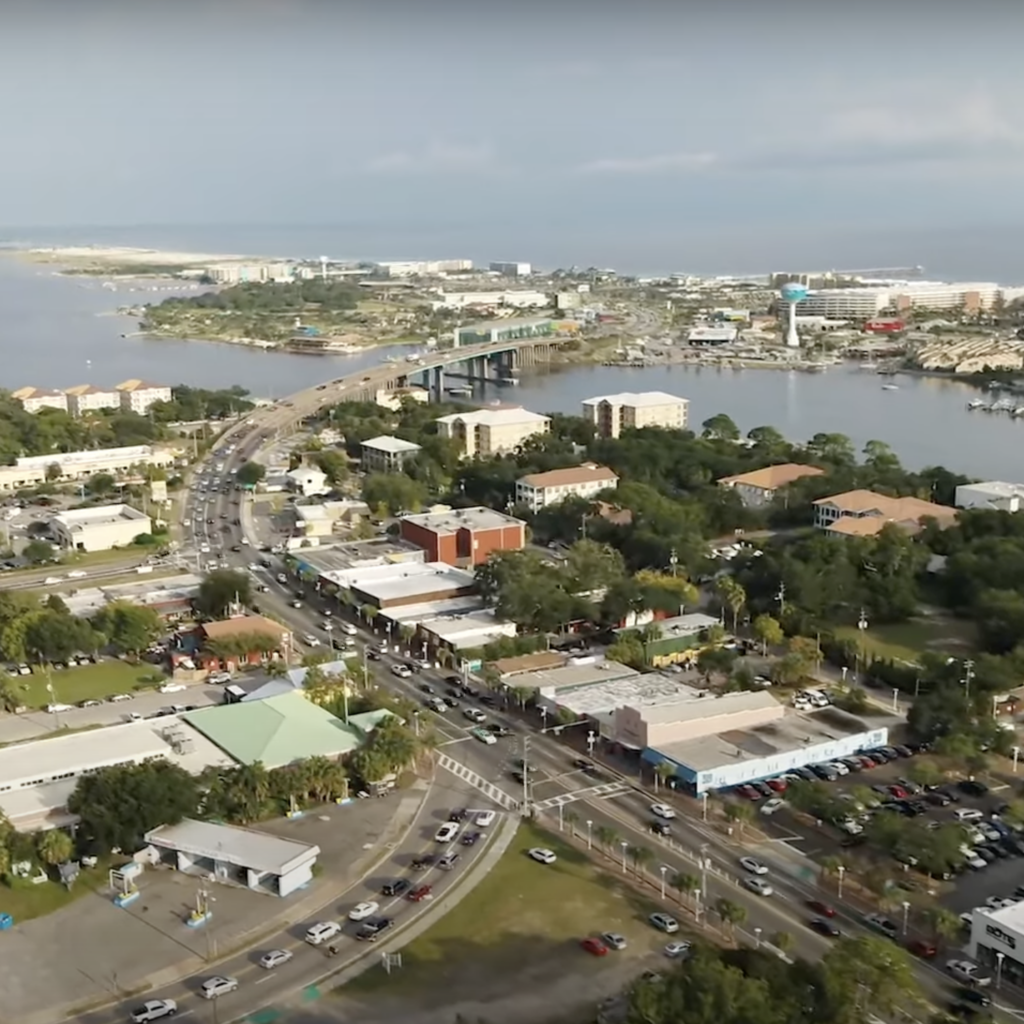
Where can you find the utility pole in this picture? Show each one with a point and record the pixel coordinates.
(526, 776)
(781, 598)
(968, 677)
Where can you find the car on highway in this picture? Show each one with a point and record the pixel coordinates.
(348, 629)
(475, 715)
(420, 893)
(374, 928)
(470, 838)
(484, 819)
(753, 865)
(484, 736)
(320, 933)
(679, 950)
(881, 924)
(448, 861)
(825, 927)
(662, 811)
(968, 973)
(364, 910)
(541, 855)
(310, 641)
(821, 909)
(396, 888)
(154, 1009)
(214, 988)
(758, 886)
(447, 832)
(275, 958)
(664, 922)
(595, 947)
(660, 828)
(613, 940)
(402, 671)
(423, 862)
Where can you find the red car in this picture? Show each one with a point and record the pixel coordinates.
(823, 909)
(866, 761)
(595, 947)
(749, 792)
(923, 949)
(778, 785)
(419, 894)
(899, 792)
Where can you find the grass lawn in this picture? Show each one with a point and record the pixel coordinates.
(23, 900)
(906, 641)
(522, 918)
(84, 682)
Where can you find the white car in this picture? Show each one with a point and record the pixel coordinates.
(967, 972)
(475, 715)
(219, 986)
(172, 687)
(118, 697)
(154, 1009)
(51, 580)
(758, 885)
(542, 856)
(275, 958)
(773, 805)
(447, 832)
(662, 811)
(753, 865)
(310, 641)
(402, 671)
(348, 629)
(56, 709)
(613, 940)
(678, 950)
(78, 574)
(484, 819)
(323, 931)
(361, 911)
(968, 814)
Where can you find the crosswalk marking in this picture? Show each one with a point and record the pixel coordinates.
(602, 792)
(459, 770)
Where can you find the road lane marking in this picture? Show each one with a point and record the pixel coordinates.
(460, 771)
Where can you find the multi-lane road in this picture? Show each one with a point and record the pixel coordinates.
(609, 802)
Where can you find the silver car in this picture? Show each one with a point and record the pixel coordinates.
(219, 986)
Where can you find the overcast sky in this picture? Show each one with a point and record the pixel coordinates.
(675, 113)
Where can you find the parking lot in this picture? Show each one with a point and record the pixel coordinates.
(994, 868)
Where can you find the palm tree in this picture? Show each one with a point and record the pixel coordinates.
(944, 924)
(662, 773)
(369, 613)
(739, 814)
(9, 699)
(642, 858)
(55, 847)
(606, 836)
(731, 913)
(684, 884)
(783, 941)
(733, 596)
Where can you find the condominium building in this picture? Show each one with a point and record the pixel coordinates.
(760, 486)
(538, 490)
(83, 398)
(34, 399)
(845, 303)
(507, 269)
(611, 414)
(138, 395)
(867, 301)
(424, 268)
(518, 299)
(487, 432)
(386, 454)
(864, 513)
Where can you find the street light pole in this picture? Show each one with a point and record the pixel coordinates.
(757, 938)
(906, 915)
(999, 968)
(703, 807)
(625, 847)
(663, 869)
(840, 871)
(590, 826)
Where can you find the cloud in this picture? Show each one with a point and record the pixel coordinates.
(664, 163)
(437, 156)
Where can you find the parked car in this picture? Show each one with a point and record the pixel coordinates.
(664, 922)
(595, 947)
(542, 856)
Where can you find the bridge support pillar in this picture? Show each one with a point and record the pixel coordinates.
(437, 384)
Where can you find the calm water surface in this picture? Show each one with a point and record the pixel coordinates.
(57, 331)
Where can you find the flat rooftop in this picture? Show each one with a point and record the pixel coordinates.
(639, 691)
(241, 847)
(496, 417)
(679, 625)
(359, 554)
(390, 582)
(470, 629)
(414, 613)
(637, 399)
(700, 704)
(40, 762)
(557, 682)
(391, 444)
(478, 518)
(101, 515)
(791, 732)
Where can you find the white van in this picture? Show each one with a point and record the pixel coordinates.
(323, 931)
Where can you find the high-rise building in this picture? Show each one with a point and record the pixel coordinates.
(611, 414)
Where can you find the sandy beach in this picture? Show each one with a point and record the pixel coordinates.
(126, 256)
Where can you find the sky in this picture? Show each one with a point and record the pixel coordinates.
(583, 118)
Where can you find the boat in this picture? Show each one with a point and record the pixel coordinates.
(976, 403)
(890, 387)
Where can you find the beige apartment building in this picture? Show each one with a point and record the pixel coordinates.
(138, 395)
(487, 432)
(611, 414)
(865, 513)
(760, 486)
(538, 490)
(83, 398)
(34, 399)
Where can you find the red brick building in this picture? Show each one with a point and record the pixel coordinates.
(464, 536)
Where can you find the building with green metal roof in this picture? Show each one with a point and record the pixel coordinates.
(279, 730)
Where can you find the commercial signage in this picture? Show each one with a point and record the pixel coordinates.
(997, 933)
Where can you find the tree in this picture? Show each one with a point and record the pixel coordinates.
(249, 474)
(868, 974)
(642, 858)
(720, 428)
(783, 941)
(768, 631)
(101, 484)
(925, 772)
(732, 596)
(55, 636)
(10, 701)
(55, 847)
(38, 552)
(333, 464)
(944, 925)
(627, 650)
(684, 884)
(222, 590)
(730, 912)
(129, 628)
(118, 805)
(606, 836)
(395, 491)
(739, 813)
(712, 660)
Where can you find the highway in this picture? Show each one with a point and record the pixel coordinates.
(611, 801)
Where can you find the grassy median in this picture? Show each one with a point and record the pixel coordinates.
(84, 682)
(524, 919)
